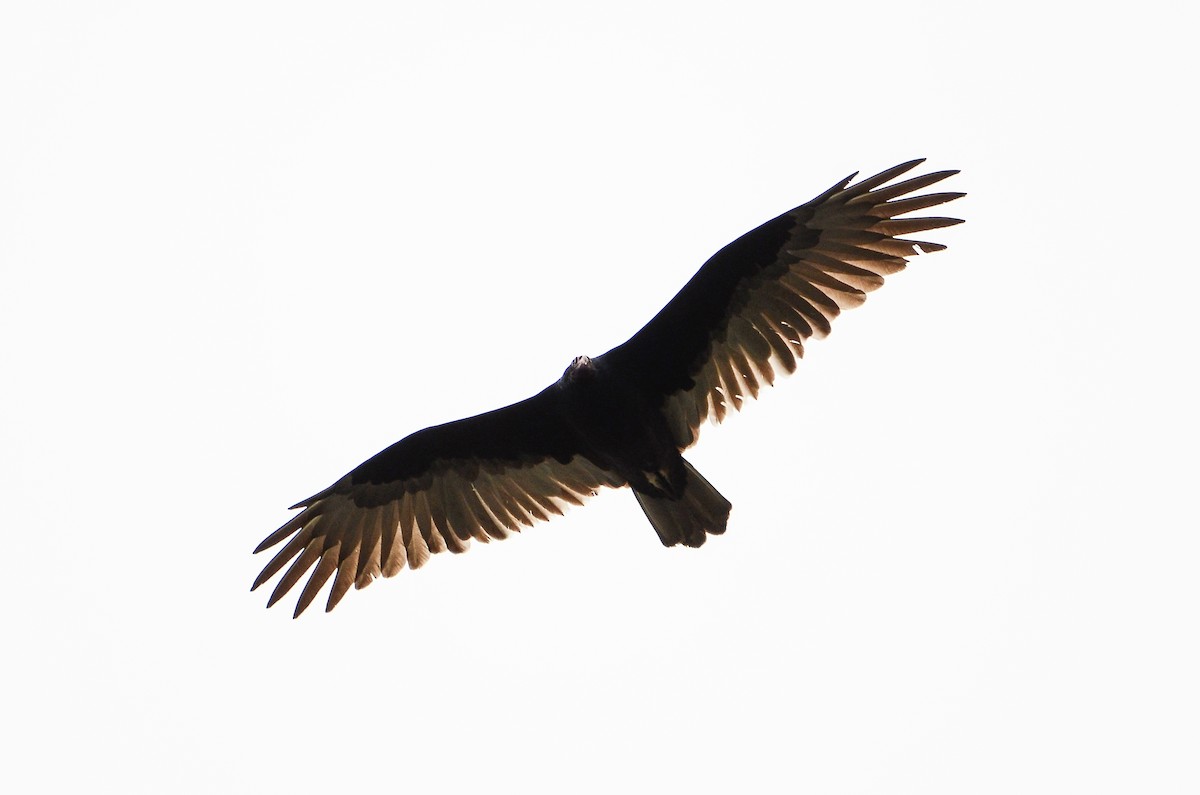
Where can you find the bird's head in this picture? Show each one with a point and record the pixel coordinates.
(580, 369)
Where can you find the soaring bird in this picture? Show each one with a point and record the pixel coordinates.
(622, 418)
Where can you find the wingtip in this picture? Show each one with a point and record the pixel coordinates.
(301, 605)
(344, 483)
(865, 186)
(275, 597)
(907, 165)
(945, 173)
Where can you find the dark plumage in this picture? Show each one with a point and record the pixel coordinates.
(621, 419)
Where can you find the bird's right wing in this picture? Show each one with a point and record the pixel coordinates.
(481, 477)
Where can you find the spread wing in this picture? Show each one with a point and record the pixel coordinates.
(748, 310)
(482, 477)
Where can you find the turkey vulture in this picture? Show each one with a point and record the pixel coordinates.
(620, 419)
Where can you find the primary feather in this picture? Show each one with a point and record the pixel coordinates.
(623, 418)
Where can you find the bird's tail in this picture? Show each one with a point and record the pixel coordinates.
(687, 519)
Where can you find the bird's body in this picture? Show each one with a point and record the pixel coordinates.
(620, 419)
(620, 431)
(614, 426)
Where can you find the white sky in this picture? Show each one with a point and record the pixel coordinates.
(247, 245)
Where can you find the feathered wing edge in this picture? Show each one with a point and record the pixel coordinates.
(355, 533)
(857, 244)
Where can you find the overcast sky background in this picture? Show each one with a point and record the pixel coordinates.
(247, 245)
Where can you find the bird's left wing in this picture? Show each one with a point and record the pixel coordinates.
(749, 309)
(481, 477)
